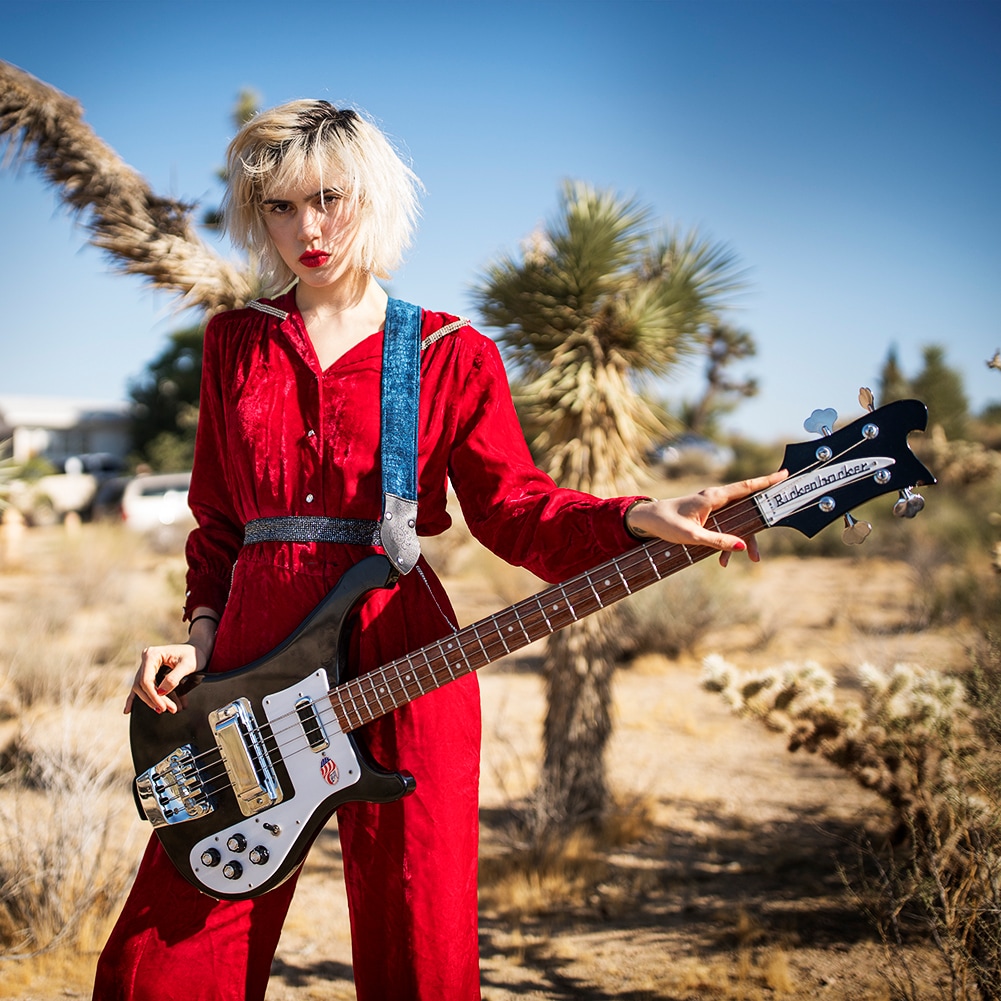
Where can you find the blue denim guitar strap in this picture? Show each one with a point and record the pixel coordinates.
(401, 377)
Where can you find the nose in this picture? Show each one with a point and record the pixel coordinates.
(309, 224)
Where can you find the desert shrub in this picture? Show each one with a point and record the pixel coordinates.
(917, 741)
(70, 636)
(61, 846)
(75, 634)
(672, 617)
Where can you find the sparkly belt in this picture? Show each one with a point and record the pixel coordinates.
(292, 528)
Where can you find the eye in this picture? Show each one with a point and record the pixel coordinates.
(277, 208)
(328, 198)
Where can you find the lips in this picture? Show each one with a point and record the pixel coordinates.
(314, 258)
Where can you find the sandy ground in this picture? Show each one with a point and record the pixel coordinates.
(731, 888)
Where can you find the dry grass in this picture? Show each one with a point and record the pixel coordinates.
(717, 879)
(75, 610)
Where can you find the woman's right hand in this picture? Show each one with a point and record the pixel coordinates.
(163, 668)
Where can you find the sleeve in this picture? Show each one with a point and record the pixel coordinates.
(510, 505)
(213, 545)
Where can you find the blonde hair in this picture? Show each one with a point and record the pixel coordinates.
(280, 149)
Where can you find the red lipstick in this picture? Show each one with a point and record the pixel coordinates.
(314, 258)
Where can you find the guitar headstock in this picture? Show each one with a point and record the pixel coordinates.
(831, 476)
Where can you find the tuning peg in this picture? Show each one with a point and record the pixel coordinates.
(821, 421)
(866, 399)
(909, 504)
(855, 532)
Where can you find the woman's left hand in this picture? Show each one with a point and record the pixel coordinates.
(683, 519)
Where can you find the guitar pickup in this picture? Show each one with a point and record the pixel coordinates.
(245, 757)
(312, 726)
(171, 791)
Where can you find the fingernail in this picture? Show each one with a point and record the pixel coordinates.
(740, 546)
(161, 691)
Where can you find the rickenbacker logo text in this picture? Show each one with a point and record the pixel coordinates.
(807, 488)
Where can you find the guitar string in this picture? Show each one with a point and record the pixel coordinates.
(399, 688)
(396, 687)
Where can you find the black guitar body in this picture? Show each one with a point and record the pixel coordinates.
(265, 763)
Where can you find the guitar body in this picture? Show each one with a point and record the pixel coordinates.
(240, 781)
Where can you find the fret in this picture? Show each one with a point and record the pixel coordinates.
(418, 673)
(476, 635)
(416, 681)
(380, 690)
(349, 707)
(358, 696)
(533, 621)
(569, 603)
(343, 723)
(495, 645)
(445, 661)
(558, 611)
(594, 591)
(500, 636)
(505, 624)
(451, 645)
(521, 622)
(650, 560)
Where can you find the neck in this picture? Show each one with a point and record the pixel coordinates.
(340, 316)
(346, 294)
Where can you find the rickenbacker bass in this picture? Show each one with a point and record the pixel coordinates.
(239, 783)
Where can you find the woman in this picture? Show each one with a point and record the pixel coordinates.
(289, 429)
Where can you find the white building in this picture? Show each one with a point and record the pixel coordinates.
(54, 428)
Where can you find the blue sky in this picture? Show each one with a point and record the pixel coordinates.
(848, 152)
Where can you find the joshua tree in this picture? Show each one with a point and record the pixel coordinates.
(591, 309)
(141, 232)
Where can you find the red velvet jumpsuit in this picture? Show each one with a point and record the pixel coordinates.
(278, 436)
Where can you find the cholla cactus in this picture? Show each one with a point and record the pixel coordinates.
(959, 462)
(901, 741)
(913, 741)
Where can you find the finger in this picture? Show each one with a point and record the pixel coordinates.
(730, 492)
(145, 687)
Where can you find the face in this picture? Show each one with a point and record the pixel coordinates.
(313, 229)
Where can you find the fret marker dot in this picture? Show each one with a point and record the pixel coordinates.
(450, 645)
(608, 583)
(556, 606)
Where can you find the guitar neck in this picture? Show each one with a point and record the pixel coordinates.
(393, 685)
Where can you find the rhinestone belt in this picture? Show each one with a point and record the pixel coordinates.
(292, 528)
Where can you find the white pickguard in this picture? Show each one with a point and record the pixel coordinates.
(277, 828)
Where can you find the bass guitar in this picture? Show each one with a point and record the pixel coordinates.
(239, 782)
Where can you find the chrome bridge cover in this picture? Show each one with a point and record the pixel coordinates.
(248, 765)
(171, 791)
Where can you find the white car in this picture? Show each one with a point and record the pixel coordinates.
(157, 506)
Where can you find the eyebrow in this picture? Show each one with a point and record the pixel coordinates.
(326, 193)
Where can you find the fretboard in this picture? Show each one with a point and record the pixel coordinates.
(393, 685)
